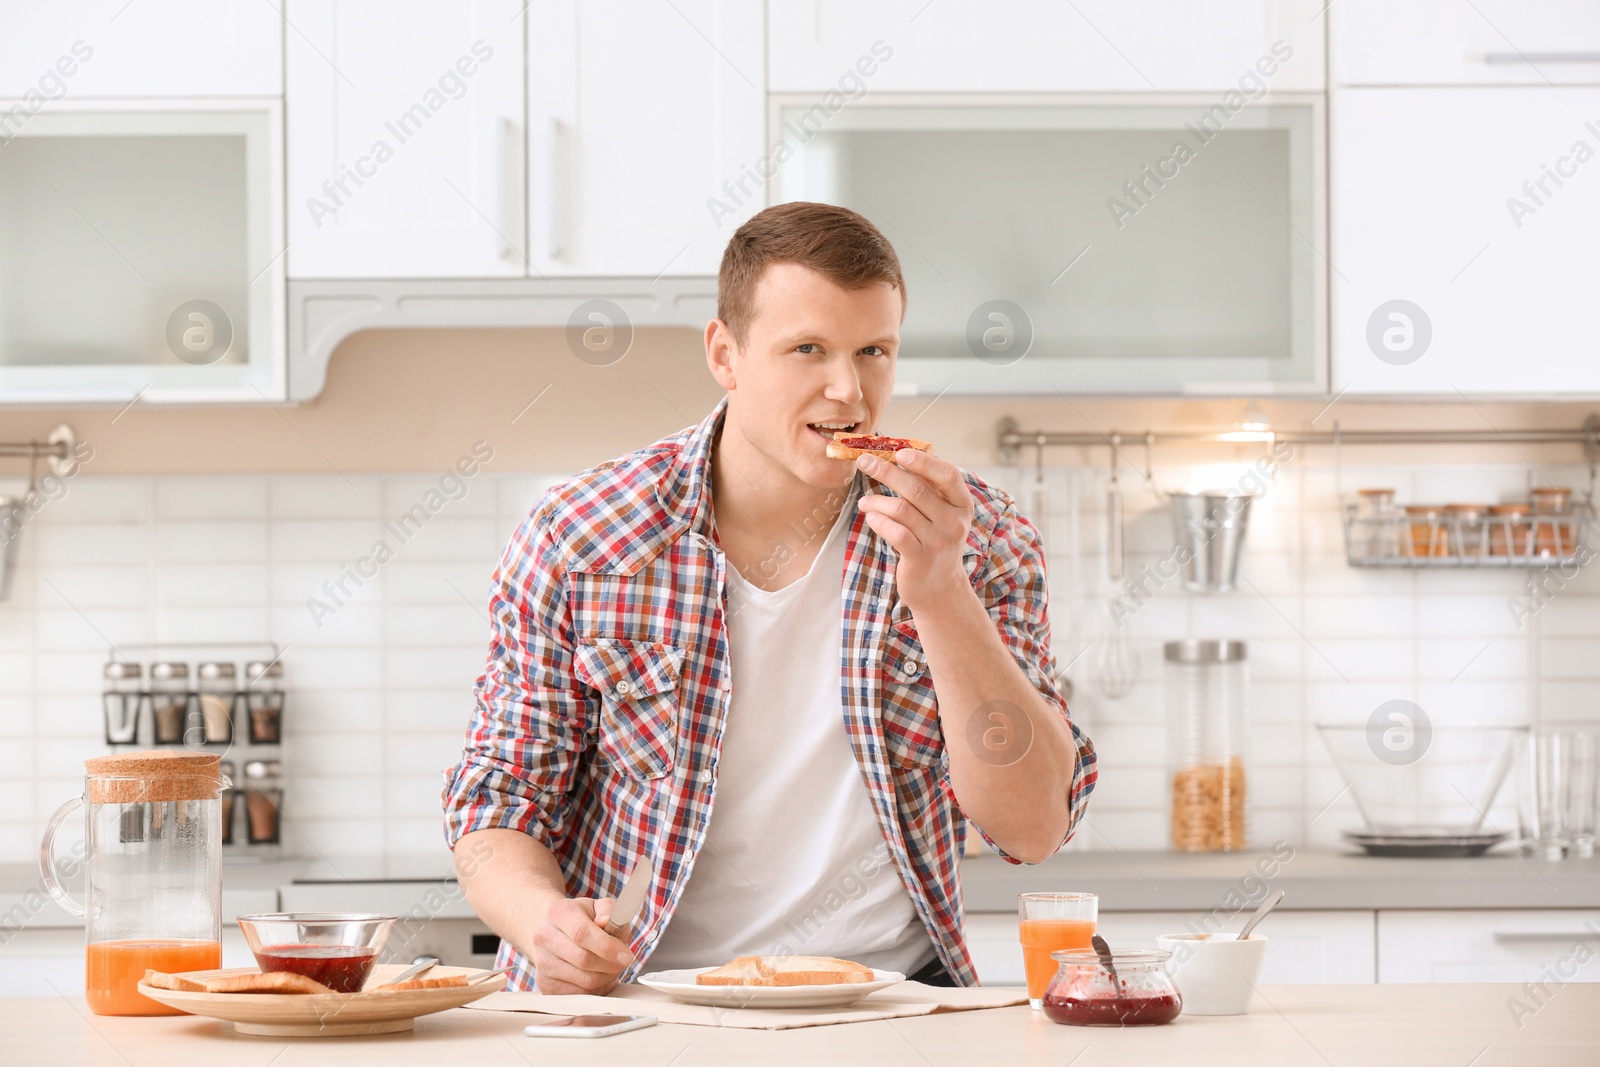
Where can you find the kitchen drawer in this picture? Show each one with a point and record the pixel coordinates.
(1308, 947)
(1489, 946)
(1464, 42)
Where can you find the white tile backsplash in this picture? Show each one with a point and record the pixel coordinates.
(381, 688)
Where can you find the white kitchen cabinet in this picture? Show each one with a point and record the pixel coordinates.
(406, 139)
(113, 48)
(1042, 45)
(1489, 946)
(645, 134)
(143, 253)
(1307, 947)
(1462, 240)
(1464, 42)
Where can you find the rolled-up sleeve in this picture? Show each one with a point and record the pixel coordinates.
(526, 738)
(1011, 583)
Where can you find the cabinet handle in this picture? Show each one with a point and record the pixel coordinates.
(510, 151)
(1507, 58)
(553, 197)
(1533, 937)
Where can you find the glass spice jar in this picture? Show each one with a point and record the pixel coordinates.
(122, 697)
(263, 801)
(1508, 529)
(1466, 537)
(172, 706)
(1551, 532)
(1375, 511)
(1135, 990)
(216, 691)
(263, 695)
(1428, 535)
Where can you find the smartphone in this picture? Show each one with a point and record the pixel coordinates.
(589, 1025)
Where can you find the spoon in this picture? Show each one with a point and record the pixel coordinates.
(1261, 913)
(1104, 949)
(423, 963)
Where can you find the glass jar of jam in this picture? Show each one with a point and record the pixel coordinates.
(1135, 990)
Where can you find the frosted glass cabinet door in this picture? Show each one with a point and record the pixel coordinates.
(405, 139)
(1066, 244)
(644, 124)
(1463, 240)
(141, 253)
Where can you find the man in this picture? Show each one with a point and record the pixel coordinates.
(785, 678)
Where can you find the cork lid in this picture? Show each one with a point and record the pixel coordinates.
(160, 774)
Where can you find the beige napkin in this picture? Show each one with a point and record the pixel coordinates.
(903, 999)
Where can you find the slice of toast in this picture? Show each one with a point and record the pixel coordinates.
(871, 445)
(163, 980)
(785, 971)
(449, 981)
(270, 982)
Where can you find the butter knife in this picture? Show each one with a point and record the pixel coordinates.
(631, 899)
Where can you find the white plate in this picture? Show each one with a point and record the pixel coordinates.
(680, 985)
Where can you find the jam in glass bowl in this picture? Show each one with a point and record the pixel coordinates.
(337, 949)
(1083, 992)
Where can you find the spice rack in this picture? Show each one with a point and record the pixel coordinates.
(158, 701)
(1439, 539)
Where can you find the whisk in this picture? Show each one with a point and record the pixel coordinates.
(1115, 666)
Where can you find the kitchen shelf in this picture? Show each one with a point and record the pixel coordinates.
(1449, 542)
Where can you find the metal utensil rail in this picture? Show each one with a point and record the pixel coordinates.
(1399, 540)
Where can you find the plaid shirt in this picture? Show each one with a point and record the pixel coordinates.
(599, 713)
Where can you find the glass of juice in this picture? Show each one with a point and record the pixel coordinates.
(1052, 922)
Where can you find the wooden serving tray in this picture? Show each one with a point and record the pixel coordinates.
(371, 1011)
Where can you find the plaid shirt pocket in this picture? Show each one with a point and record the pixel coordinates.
(638, 686)
(910, 708)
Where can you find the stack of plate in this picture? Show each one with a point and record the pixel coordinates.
(1424, 843)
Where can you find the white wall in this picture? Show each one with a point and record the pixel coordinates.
(380, 694)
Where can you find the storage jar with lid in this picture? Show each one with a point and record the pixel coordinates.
(1207, 710)
(122, 696)
(173, 708)
(1378, 532)
(1085, 992)
(151, 872)
(216, 692)
(263, 695)
(263, 802)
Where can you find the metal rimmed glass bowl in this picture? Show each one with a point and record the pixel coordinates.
(337, 949)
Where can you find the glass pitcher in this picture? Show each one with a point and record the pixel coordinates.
(153, 872)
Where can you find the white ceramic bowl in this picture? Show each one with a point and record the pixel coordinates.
(1216, 973)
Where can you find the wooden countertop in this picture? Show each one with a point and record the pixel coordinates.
(1318, 1026)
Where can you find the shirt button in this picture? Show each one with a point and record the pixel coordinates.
(703, 777)
(624, 688)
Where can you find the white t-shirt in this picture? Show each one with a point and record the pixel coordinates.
(794, 861)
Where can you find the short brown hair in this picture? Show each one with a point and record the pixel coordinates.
(840, 244)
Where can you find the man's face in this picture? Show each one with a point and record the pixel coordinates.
(815, 358)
